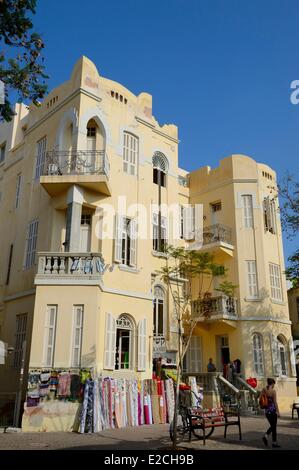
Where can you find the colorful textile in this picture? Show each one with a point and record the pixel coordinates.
(64, 385)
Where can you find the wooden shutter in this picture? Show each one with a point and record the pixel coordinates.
(188, 218)
(142, 345)
(132, 242)
(77, 335)
(275, 357)
(50, 335)
(110, 339)
(118, 238)
(292, 358)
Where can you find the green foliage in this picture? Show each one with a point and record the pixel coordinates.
(289, 193)
(227, 288)
(23, 71)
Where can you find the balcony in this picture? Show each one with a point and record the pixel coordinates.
(217, 238)
(69, 268)
(159, 345)
(215, 308)
(87, 168)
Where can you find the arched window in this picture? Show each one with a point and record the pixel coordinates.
(130, 154)
(160, 168)
(282, 355)
(258, 354)
(124, 343)
(159, 306)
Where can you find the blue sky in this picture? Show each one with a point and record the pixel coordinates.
(220, 70)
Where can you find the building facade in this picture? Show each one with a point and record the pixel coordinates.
(86, 183)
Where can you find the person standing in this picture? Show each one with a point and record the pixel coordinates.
(272, 413)
(211, 367)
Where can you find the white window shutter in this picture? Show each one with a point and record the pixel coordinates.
(132, 242)
(292, 358)
(142, 345)
(110, 338)
(275, 357)
(118, 238)
(188, 235)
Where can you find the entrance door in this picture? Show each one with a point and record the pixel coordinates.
(223, 354)
(85, 233)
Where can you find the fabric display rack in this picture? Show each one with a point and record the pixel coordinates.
(106, 402)
(115, 403)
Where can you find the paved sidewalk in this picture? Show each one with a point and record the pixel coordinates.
(155, 437)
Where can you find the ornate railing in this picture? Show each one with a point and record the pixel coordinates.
(159, 344)
(183, 181)
(76, 162)
(216, 233)
(70, 264)
(211, 306)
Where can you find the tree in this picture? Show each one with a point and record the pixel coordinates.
(288, 190)
(23, 71)
(196, 271)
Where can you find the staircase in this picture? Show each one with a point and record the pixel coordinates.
(240, 395)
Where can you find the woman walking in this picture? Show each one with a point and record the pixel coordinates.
(272, 413)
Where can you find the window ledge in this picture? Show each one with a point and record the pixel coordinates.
(278, 302)
(129, 269)
(159, 254)
(2, 163)
(253, 299)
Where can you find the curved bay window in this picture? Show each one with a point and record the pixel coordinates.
(159, 303)
(124, 343)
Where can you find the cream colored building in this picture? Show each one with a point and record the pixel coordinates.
(79, 284)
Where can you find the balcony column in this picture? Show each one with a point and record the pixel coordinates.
(73, 219)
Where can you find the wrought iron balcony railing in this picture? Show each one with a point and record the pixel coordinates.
(217, 233)
(76, 162)
(211, 306)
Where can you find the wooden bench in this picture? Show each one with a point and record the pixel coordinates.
(213, 418)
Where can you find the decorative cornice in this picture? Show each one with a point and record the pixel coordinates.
(19, 295)
(154, 129)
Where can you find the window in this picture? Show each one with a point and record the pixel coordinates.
(247, 211)
(124, 332)
(216, 207)
(159, 299)
(77, 335)
(9, 264)
(258, 354)
(130, 153)
(40, 157)
(252, 287)
(160, 168)
(91, 131)
(50, 333)
(282, 357)
(159, 246)
(18, 189)
(269, 207)
(2, 152)
(21, 325)
(193, 358)
(275, 282)
(125, 241)
(31, 243)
